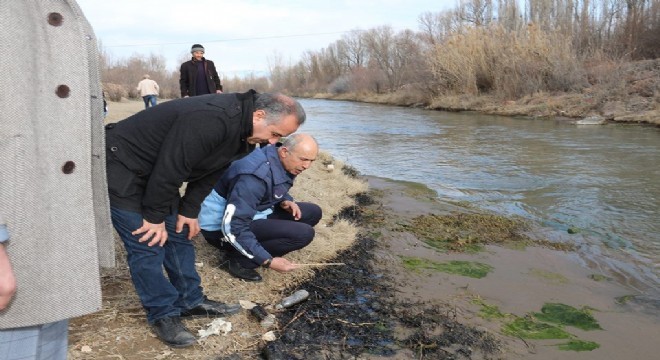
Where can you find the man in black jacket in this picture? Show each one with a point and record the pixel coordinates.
(149, 156)
(198, 75)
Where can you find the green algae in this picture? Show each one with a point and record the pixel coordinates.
(622, 300)
(573, 230)
(419, 190)
(529, 328)
(567, 315)
(466, 232)
(549, 276)
(487, 311)
(457, 267)
(579, 345)
(546, 325)
(599, 277)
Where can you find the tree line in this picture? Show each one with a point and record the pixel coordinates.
(504, 48)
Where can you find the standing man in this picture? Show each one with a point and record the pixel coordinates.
(54, 214)
(250, 214)
(148, 90)
(149, 156)
(198, 75)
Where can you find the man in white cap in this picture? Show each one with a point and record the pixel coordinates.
(198, 75)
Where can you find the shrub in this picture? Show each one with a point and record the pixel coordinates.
(114, 92)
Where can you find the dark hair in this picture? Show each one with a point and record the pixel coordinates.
(277, 106)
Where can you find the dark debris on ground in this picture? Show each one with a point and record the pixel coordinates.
(352, 313)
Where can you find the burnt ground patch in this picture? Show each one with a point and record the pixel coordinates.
(353, 313)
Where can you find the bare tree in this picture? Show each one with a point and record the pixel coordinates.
(353, 49)
(477, 12)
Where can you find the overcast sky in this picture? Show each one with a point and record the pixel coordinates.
(242, 36)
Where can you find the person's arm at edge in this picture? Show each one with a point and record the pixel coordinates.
(184, 84)
(216, 78)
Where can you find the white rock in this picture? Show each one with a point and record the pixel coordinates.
(246, 304)
(269, 336)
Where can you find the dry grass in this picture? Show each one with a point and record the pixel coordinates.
(120, 330)
(509, 63)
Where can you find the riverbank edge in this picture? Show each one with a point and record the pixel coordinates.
(579, 108)
(522, 281)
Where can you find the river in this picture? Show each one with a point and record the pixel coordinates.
(602, 180)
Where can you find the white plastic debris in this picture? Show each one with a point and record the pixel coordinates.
(246, 304)
(215, 327)
(269, 336)
(199, 264)
(86, 349)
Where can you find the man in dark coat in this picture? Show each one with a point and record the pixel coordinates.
(149, 157)
(198, 75)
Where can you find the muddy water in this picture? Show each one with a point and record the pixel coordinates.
(602, 182)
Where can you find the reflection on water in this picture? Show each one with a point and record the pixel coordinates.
(604, 180)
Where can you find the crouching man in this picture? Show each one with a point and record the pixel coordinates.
(250, 215)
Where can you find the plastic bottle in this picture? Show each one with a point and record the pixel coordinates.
(295, 298)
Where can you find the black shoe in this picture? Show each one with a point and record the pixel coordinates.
(210, 308)
(172, 332)
(236, 270)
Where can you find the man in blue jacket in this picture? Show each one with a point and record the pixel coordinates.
(250, 214)
(149, 156)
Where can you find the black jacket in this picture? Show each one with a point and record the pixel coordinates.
(150, 154)
(188, 77)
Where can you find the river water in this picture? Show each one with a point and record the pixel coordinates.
(602, 180)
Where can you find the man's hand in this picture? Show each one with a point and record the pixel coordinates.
(7, 279)
(156, 232)
(292, 208)
(282, 265)
(193, 225)
(218, 91)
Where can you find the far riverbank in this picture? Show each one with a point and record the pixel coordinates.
(636, 100)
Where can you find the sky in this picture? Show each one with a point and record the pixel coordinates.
(242, 36)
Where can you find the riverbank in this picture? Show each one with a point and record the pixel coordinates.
(517, 286)
(635, 98)
(390, 300)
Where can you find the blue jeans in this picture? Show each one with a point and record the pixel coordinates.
(149, 100)
(161, 296)
(39, 342)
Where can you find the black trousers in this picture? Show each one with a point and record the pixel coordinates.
(279, 234)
